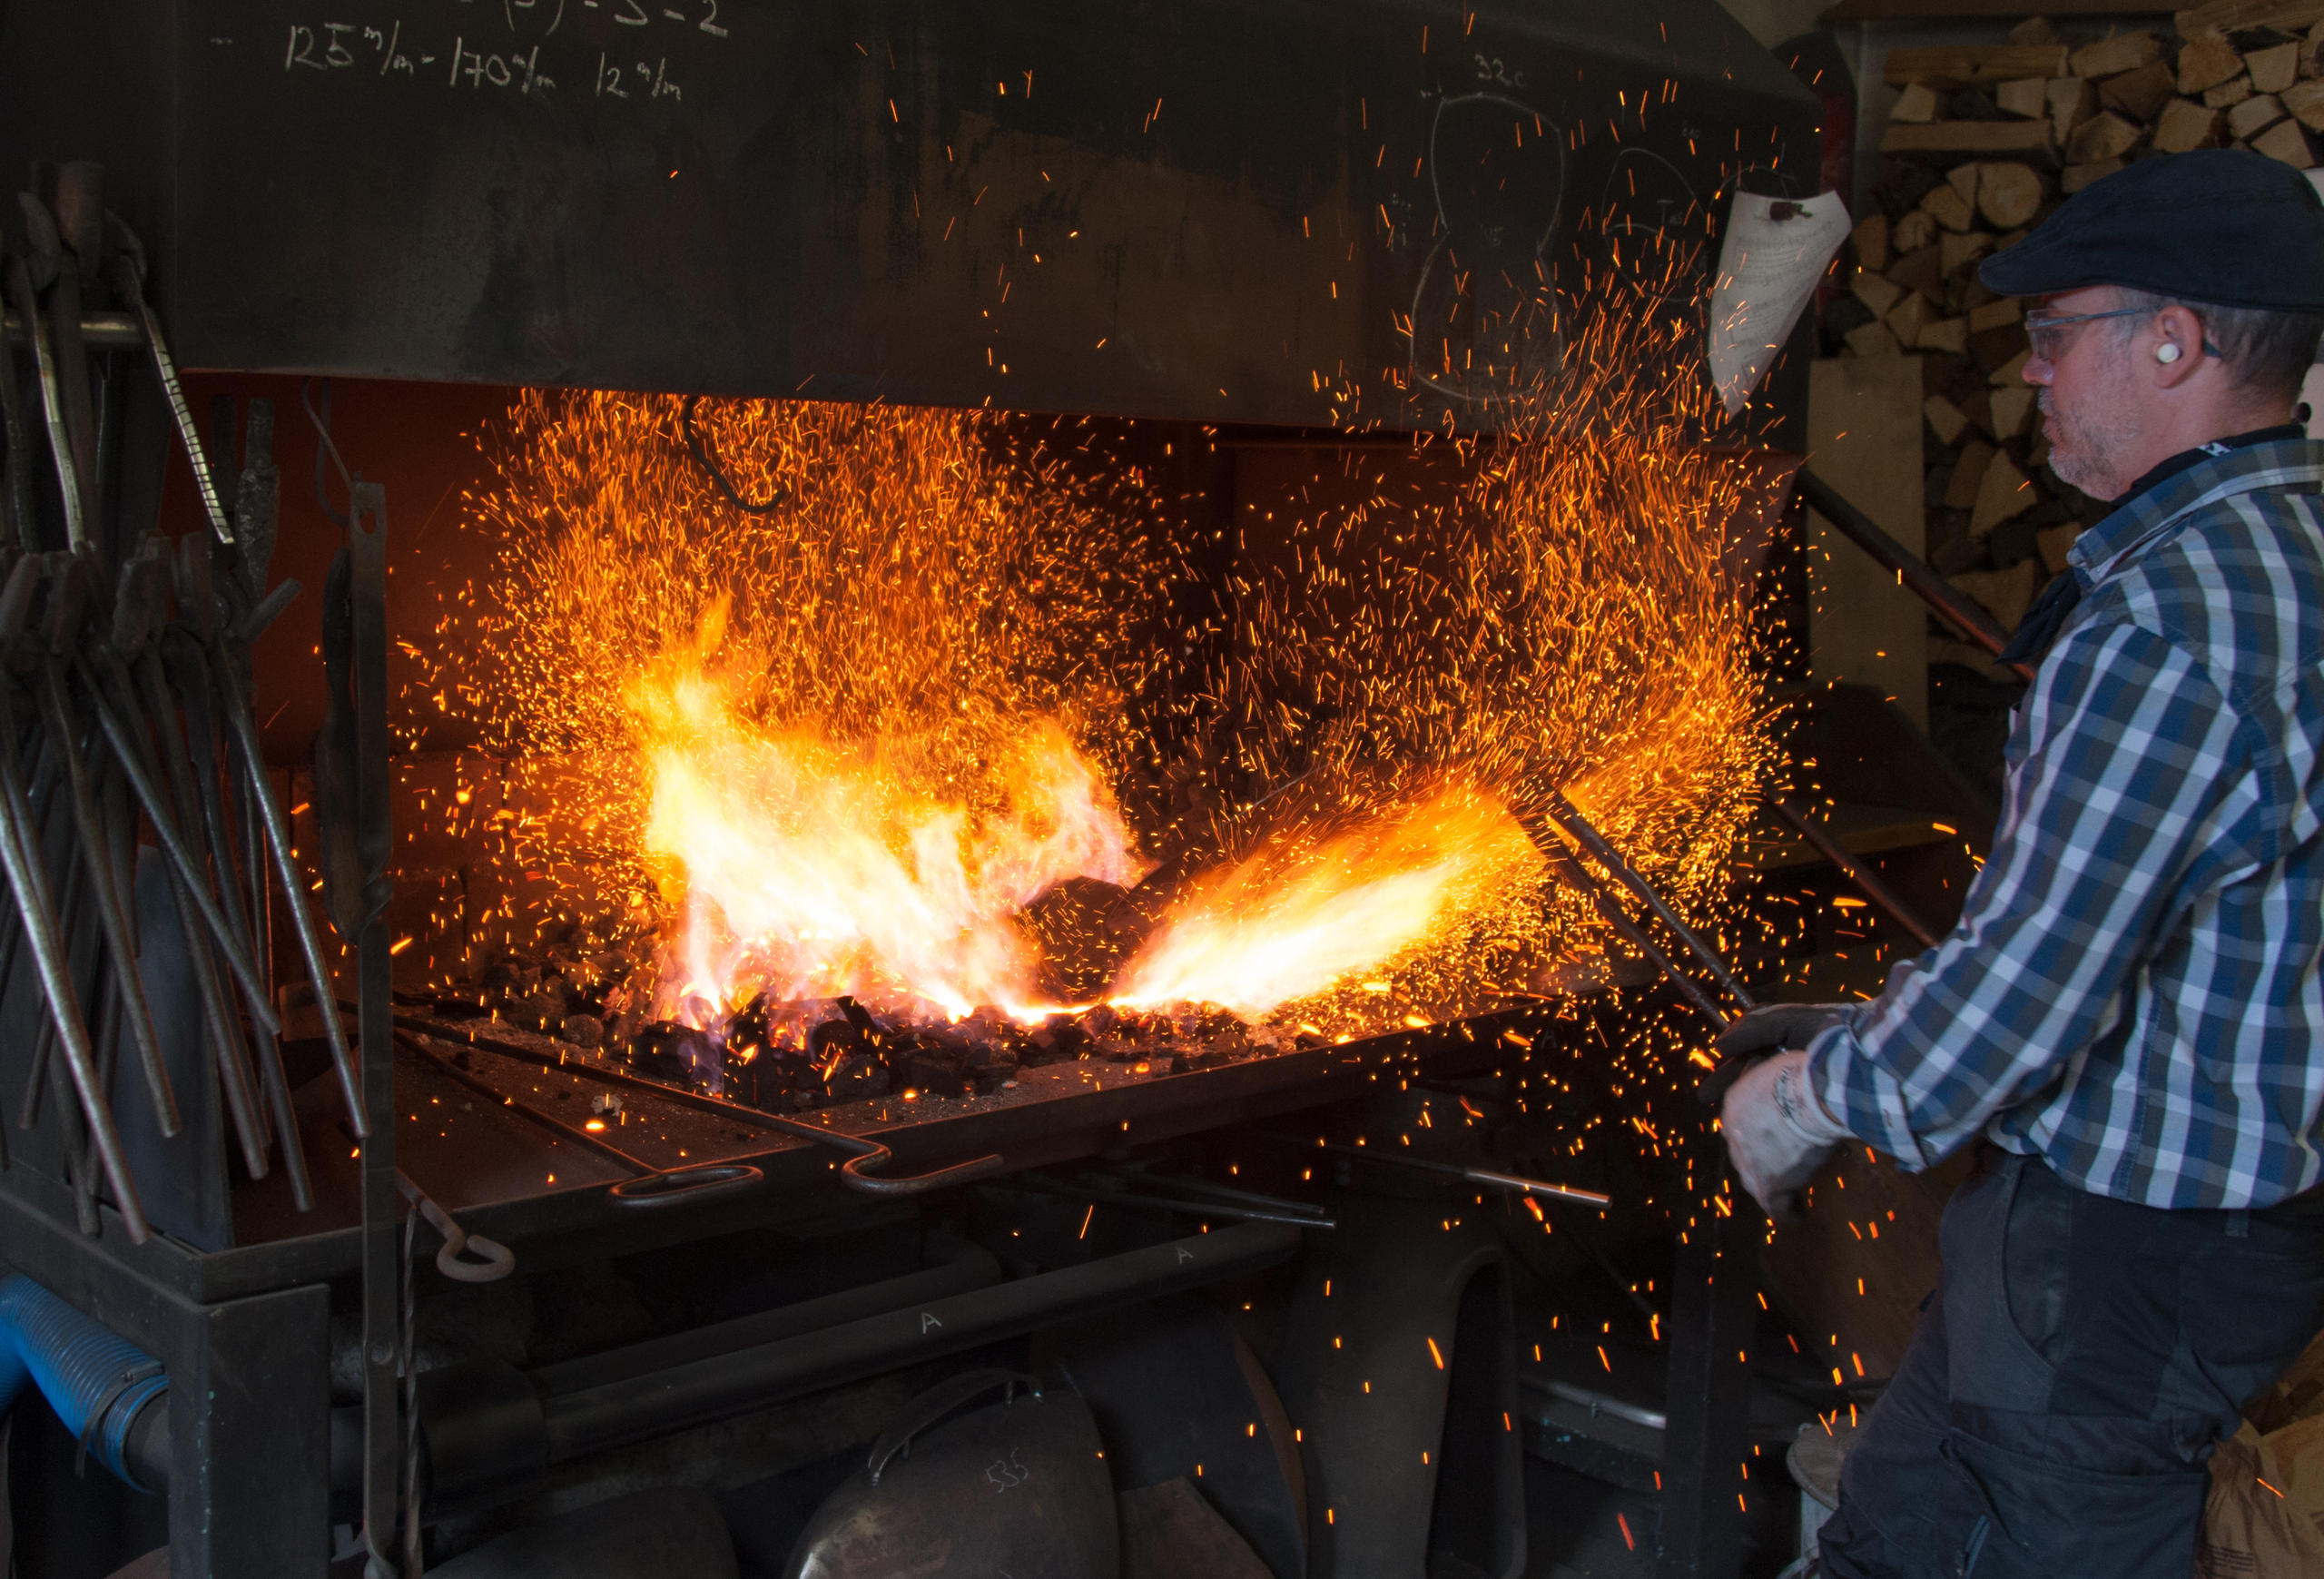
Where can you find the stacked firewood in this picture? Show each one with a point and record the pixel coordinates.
(1983, 143)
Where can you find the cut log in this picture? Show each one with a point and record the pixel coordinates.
(2106, 136)
(1915, 231)
(1957, 253)
(2273, 70)
(2073, 101)
(2003, 493)
(2076, 176)
(1905, 320)
(2008, 194)
(2287, 141)
(1871, 238)
(1948, 207)
(2311, 53)
(2231, 15)
(2012, 408)
(1962, 179)
(2012, 372)
(1874, 338)
(1959, 65)
(2254, 115)
(1968, 474)
(1876, 291)
(1998, 314)
(2113, 56)
(2306, 102)
(1918, 105)
(2205, 61)
(1922, 270)
(1949, 336)
(2006, 594)
(2034, 30)
(2184, 124)
(2142, 94)
(1944, 419)
(1968, 137)
(2030, 96)
(2233, 92)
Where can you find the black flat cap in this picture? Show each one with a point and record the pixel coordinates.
(2222, 226)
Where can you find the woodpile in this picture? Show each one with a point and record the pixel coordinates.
(1983, 144)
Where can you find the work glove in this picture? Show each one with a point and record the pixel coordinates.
(1778, 1132)
(1765, 1030)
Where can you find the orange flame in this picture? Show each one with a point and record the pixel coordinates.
(1286, 925)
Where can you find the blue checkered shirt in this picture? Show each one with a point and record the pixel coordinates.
(2135, 992)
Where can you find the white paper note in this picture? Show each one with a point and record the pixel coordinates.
(1774, 252)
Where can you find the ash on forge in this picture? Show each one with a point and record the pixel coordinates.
(838, 748)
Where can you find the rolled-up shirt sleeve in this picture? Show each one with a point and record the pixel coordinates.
(2132, 788)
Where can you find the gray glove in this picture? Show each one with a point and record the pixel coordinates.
(1775, 1025)
(1765, 1030)
(1778, 1132)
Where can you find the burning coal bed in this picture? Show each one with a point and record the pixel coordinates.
(801, 1054)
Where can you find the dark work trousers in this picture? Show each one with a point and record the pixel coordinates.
(2080, 1356)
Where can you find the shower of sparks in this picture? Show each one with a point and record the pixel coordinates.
(840, 745)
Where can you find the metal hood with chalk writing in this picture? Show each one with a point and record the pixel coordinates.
(1291, 212)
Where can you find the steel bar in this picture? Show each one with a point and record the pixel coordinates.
(18, 479)
(1863, 876)
(99, 331)
(716, 1386)
(199, 744)
(1570, 817)
(127, 277)
(1951, 605)
(187, 890)
(1564, 868)
(95, 854)
(24, 292)
(302, 921)
(1511, 1181)
(383, 1331)
(20, 851)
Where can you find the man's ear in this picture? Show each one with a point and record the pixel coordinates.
(2174, 339)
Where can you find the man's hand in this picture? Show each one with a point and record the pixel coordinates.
(1778, 1025)
(1778, 1132)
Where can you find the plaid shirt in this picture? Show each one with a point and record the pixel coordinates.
(2135, 992)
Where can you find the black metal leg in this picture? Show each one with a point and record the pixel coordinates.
(249, 1435)
(1709, 1395)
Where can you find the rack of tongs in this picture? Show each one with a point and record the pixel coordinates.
(126, 722)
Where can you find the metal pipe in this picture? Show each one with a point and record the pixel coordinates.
(1568, 815)
(1863, 876)
(716, 1386)
(1951, 604)
(1564, 868)
(1514, 1182)
(973, 1268)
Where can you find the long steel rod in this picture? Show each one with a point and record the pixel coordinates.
(1570, 817)
(1511, 1181)
(38, 911)
(302, 921)
(1564, 868)
(1863, 876)
(1951, 605)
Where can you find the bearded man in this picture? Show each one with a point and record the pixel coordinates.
(2128, 1023)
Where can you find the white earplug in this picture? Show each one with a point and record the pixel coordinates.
(2166, 352)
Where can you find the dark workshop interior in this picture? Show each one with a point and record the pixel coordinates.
(909, 788)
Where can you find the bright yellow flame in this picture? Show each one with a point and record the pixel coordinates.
(1288, 923)
(811, 869)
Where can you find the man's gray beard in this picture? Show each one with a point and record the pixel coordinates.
(2081, 457)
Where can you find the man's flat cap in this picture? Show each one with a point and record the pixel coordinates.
(2221, 225)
